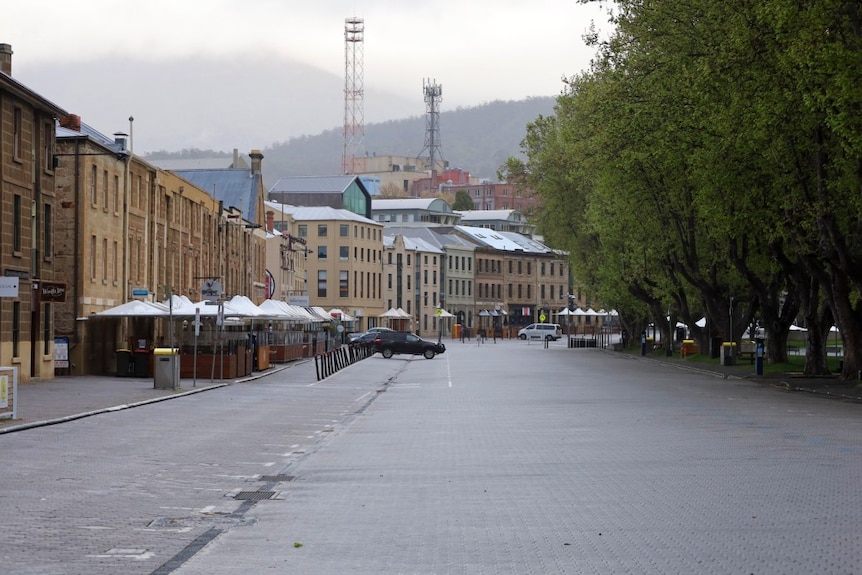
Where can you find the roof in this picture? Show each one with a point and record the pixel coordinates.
(236, 188)
(484, 215)
(503, 241)
(90, 133)
(403, 204)
(312, 184)
(318, 213)
(176, 165)
(15, 87)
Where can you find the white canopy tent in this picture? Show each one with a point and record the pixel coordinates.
(135, 308)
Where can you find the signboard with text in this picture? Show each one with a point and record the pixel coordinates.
(8, 286)
(53, 292)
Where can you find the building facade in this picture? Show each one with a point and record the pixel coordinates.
(344, 258)
(128, 230)
(28, 287)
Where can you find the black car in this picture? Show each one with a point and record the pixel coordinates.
(366, 337)
(389, 343)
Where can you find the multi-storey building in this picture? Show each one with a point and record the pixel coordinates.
(398, 277)
(128, 230)
(28, 290)
(286, 255)
(344, 258)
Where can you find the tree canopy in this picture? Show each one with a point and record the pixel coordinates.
(709, 163)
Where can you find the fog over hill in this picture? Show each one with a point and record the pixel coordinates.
(200, 103)
(477, 139)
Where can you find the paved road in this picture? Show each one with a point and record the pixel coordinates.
(501, 458)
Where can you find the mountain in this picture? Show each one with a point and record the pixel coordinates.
(477, 139)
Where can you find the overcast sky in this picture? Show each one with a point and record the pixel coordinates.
(478, 51)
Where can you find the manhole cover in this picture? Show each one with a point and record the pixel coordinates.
(276, 478)
(254, 495)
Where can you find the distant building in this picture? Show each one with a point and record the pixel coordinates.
(499, 220)
(414, 212)
(338, 192)
(343, 254)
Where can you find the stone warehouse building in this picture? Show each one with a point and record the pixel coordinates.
(28, 288)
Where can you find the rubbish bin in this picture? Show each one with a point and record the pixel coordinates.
(456, 331)
(166, 368)
(141, 363)
(124, 363)
(728, 351)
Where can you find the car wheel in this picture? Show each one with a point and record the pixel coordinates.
(522, 336)
(429, 353)
(387, 352)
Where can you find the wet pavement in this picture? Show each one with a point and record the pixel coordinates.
(66, 398)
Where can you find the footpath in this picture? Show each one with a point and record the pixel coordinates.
(67, 398)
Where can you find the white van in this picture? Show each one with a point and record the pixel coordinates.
(549, 331)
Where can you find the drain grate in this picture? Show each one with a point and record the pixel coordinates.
(276, 478)
(254, 495)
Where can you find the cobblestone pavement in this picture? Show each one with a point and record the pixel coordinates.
(494, 458)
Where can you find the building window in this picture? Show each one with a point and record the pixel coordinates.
(321, 283)
(114, 256)
(343, 230)
(48, 146)
(94, 198)
(116, 194)
(343, 253)
(343, 284)
(321, 252)
(105, 259)
(105, 190)
(92, 257)
(302, 230)
(16, 224)
(16, 328)
(46, 333)
(18, 134)
(48, 248)
(321, 230)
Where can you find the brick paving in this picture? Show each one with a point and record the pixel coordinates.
(500, 458)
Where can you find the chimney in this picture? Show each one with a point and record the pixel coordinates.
(71, 122)
(256, 160)
(270, 221)
(6, 59)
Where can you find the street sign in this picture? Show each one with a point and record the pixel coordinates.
(211, 290)
(140, 292)
(542, 318)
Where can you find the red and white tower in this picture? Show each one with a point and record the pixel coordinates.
(354, 121)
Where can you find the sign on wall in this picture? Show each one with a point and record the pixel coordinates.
(8, 286)
(53, 292)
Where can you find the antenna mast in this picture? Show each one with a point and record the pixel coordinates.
(354, 121)
(433, 96)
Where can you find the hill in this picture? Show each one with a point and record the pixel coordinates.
(477, 139)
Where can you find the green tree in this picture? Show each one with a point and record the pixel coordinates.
(463, 202)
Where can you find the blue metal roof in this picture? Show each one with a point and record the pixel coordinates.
(236, 188)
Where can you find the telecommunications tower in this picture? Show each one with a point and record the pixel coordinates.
(433, 96)
(354, 122)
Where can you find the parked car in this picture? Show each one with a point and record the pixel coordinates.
(389, 343)
(549, 331)
(366, 336)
